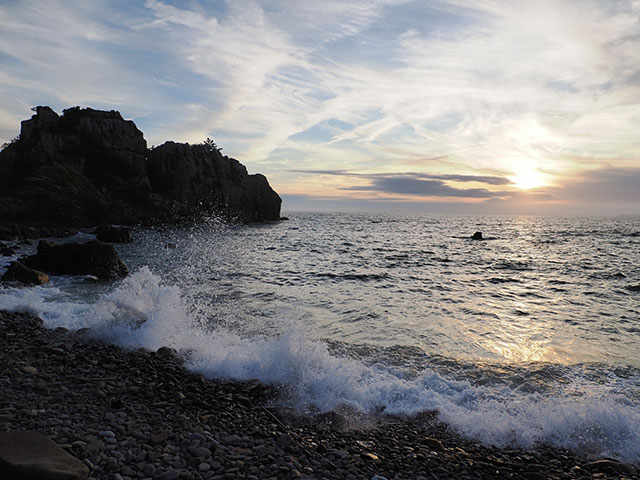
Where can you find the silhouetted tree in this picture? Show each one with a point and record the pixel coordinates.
(15, 139)
(211, 145)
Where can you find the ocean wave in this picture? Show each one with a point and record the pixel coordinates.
(141, 311)
(364, 277)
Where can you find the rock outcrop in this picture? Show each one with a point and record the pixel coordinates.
(90, 258)
(197, 177)
(89, 167)
(113, 234)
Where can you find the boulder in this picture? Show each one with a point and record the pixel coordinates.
(477, 236)
(90, 258)
(17, 272)
(30, 455)
(113, 234)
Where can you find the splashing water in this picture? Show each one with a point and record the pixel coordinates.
(226, 333)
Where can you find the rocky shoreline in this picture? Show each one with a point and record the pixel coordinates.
(88, 167)
(141, 414)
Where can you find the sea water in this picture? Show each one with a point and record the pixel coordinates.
(531, 335)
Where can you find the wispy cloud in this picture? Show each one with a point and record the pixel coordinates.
(415, 175)
(424, 188)
(420, 184)
(527, 92)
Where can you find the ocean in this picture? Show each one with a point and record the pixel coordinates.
(530, 335)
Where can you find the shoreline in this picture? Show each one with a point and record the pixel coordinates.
(140, 414)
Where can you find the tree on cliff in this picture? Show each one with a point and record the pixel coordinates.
(211, 145)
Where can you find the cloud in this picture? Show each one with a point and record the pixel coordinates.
(413, 175)
(71, 52)
(472, 89)
(425, 188)
(604, 191)
(604, 186)
(481, 80)
(427, 185)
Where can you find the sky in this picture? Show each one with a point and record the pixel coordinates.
(430, 106)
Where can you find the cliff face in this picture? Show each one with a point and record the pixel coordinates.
(196, 176)
(89, 166)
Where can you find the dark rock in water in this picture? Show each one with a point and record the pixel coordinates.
(89, 167)
(90, 258)
(30, 455)
(7, 251)
(477, 236)
(17, 272)
(282, 219)
(113, 234)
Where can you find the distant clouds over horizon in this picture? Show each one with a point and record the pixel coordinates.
(487, 105)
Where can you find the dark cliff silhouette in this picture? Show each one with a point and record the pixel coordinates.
(89, 167)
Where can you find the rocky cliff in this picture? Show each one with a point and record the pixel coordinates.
(88, 167)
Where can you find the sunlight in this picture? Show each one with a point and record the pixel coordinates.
(527, 182)
(527, 176)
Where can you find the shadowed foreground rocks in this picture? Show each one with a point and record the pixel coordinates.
(89, 258)
(31, 455)
(21, 274)
(88, 167)
(140, 414)
(113, 234)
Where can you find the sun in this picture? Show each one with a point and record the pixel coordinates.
(527, 176)
(527, 181)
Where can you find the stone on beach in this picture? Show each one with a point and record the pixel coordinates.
(214, 433)
(609, 466)
(31, 455)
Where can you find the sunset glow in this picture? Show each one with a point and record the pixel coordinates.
(504, 106)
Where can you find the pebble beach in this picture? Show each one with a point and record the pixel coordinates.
(140, 414)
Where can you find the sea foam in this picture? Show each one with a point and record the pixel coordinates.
(143, 312)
